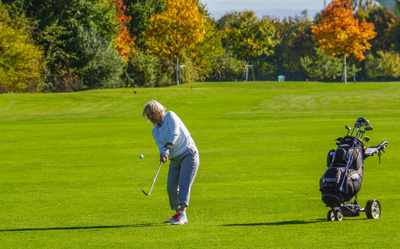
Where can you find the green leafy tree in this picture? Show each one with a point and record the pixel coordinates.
(141, 70)
(383, 21)
(249, 37)
(295, 41)
(385, 64)
(21, 62)
(227, 68)
(99, 64)
(387, 27)
(394, 36)
(74, 57)
(322, 66)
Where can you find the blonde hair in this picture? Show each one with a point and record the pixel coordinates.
(154, 106)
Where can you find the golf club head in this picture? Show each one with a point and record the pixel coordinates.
(369, 128)
(361, 120)
(366, 139)
(145, 193)
(347, 127)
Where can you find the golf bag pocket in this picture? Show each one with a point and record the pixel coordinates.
(339, 185)
(329, 185)
(353, 183)
(358, 160)
(330, 180)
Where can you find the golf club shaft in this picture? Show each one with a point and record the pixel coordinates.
(155, 178)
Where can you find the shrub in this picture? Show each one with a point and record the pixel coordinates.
(140, 70)
(385, 64)
(98, 63)
(21, 62)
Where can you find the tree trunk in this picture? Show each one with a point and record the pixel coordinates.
(345, 70)
(247, 71)
(177, 71)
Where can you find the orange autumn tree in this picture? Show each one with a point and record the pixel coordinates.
(176, 30)
(339, 33)
(124, 41)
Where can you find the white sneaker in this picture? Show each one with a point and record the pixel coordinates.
(173, 218)
(181, 219)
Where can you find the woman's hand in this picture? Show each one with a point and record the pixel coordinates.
(163, 159)
(164, 155)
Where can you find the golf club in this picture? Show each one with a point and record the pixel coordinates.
(348, 128)
(367, 128)
(159, 167)
(362, 121)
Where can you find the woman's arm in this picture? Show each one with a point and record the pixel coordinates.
(173, 126)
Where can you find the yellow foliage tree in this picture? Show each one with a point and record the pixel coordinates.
(176, 30)
(339, 33)
(21, 62)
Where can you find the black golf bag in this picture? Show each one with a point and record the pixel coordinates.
(343, 179)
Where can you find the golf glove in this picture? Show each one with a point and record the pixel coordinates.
(165, 152)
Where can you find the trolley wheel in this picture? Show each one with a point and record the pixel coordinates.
(373, 209)
(339, 215)
(331, 215)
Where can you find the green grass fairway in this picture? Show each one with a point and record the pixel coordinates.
(71, 177)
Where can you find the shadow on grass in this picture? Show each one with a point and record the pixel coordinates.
(291, 222)
(81, 228)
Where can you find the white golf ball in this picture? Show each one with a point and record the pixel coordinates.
(141, 156)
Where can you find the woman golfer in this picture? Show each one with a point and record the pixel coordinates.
(174, 143)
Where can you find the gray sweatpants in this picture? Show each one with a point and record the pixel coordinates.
(181, 174)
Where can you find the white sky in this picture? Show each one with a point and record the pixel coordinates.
(274, 8)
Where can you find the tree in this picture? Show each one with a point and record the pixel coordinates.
(140, 12)
(383, 21)
(387, 27)
(295, 41)
(205, 52)
(78, 38)
(322, 66)
(339, 33)
(386, 64)
(249, 37)
(140, 70)
(227, 68)
(21, 62)
(176, 30)
(124, 41)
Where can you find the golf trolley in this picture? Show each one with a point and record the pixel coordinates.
(342, 180)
